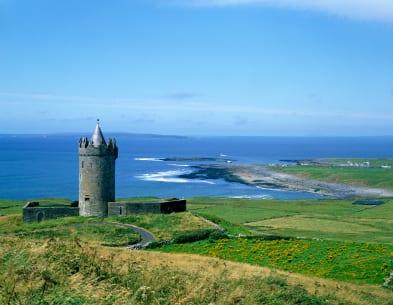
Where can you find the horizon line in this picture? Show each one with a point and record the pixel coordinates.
(80, 134)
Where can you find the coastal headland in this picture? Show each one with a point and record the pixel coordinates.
(286, 179)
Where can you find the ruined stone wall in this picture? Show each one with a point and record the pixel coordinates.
(174, 206)
(37, 213)
(128, 208)
(123, 209)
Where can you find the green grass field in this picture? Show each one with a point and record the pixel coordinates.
(328, 219)
(330, 171)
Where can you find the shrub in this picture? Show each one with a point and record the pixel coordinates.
(276, 281)
(192, 236)
(269, 237)
(218, 234)
(282, 294)
(298, 295)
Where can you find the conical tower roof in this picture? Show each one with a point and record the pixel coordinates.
(97, 138)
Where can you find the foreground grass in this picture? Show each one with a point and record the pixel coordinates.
(354, 242)
(352, 262)
(371, 177)
(72, 272)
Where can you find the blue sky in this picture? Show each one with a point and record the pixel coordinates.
(202, 67)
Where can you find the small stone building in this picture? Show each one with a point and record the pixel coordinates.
(159, 207)
(33, 211)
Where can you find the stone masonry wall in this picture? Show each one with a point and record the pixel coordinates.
(37, 213)
(128, 208)
(96, 183)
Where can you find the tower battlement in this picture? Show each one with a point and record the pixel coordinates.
(87, 148)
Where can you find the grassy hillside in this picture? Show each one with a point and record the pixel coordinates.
(328, 219)
(67, 261)
(66, 272)
(351, 262)
(331, 238)
(70, 228)
(162, 226)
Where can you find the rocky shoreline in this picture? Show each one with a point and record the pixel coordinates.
(196, 159)
(261, 176)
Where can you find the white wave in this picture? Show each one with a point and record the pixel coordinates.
(170, 176)
(223, 155)
(148, 159)
(180, 165)
(203, 181)
(156, 178)
(251, 197)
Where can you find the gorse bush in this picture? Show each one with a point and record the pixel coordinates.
(196, 235)
(217, 234)
(282, 293)
(190, 236)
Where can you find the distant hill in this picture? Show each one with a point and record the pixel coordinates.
(108, 134)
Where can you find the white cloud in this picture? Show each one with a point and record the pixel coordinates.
(10, 100)
(360, 9)
(42, 113)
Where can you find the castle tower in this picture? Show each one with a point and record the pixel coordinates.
(96, 174)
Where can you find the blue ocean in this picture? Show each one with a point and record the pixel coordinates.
(44, 166)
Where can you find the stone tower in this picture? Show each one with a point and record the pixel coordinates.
(96, 174)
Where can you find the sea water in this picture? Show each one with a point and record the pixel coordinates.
(43, 166)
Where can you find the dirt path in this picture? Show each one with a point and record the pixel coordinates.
(213, 224)
(147, 236)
